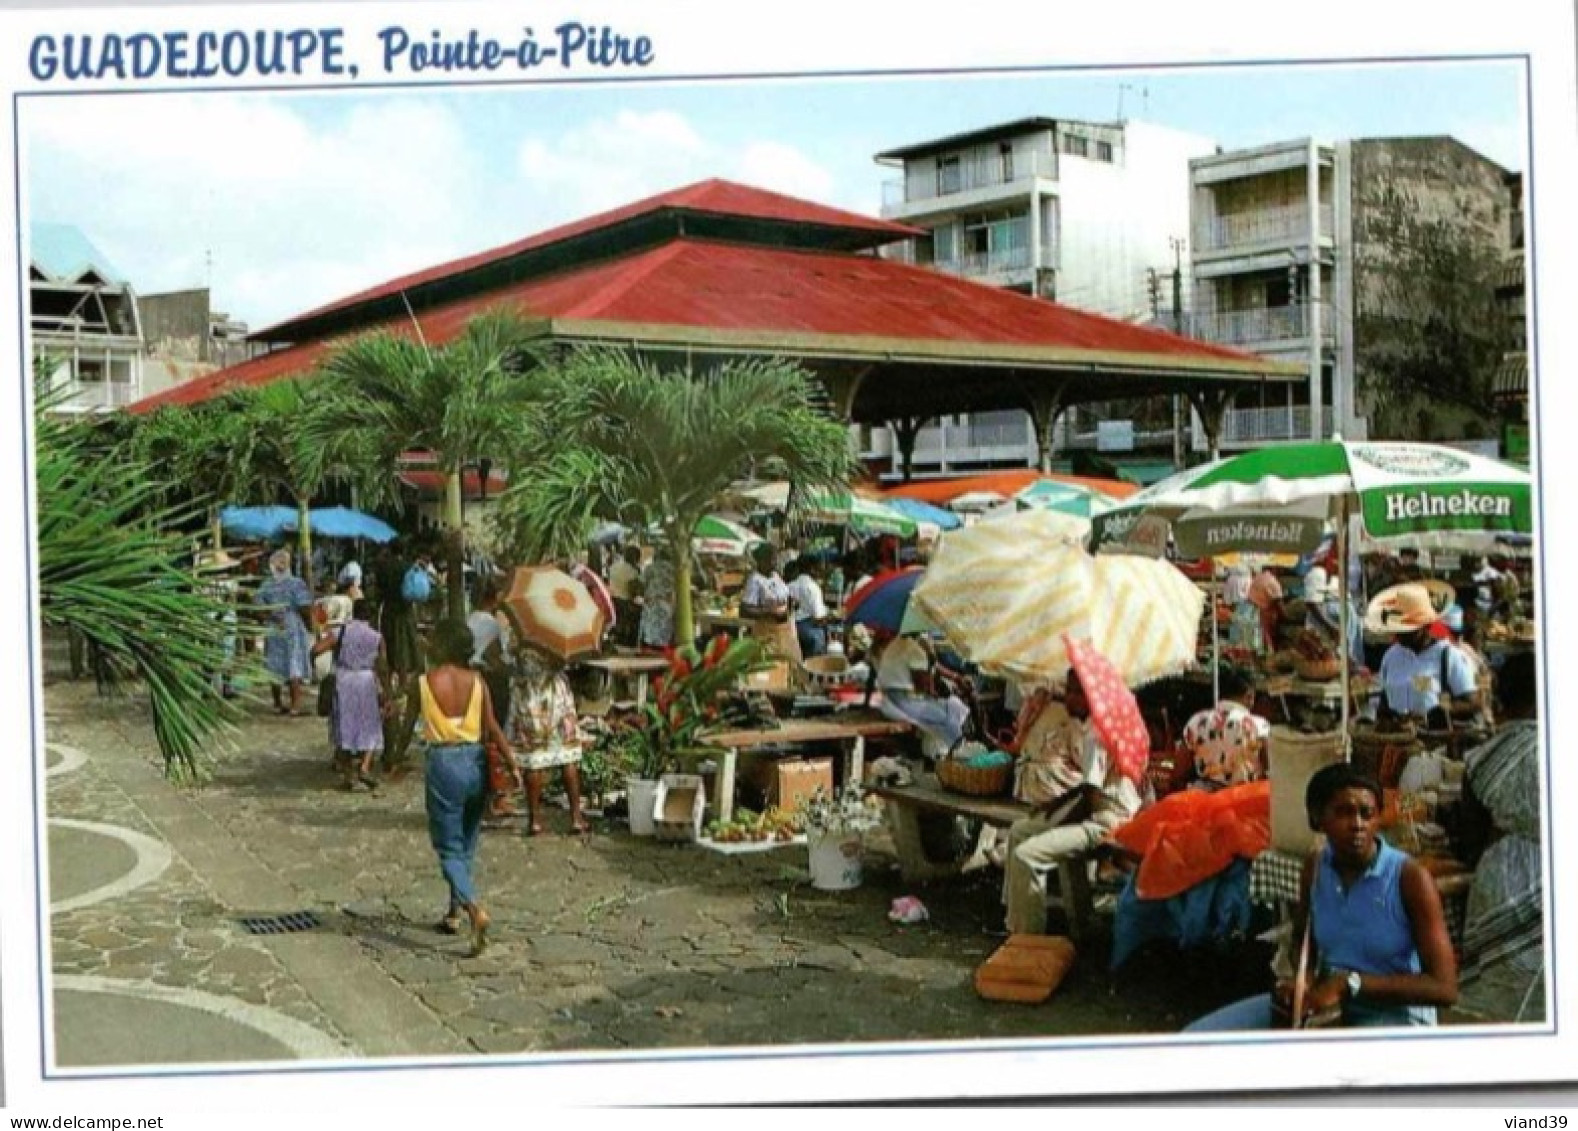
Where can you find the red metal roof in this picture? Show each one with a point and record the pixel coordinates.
(714, 196)
(716, 289)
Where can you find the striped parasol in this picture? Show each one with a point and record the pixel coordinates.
(1006, 593)
(554, 611)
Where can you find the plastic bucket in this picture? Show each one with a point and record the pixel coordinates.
(836, 861)
(642, 797)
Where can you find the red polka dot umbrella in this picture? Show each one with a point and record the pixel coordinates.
(1114, 711)
(554, 611)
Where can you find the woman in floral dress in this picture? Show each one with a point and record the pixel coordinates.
(544, 731)
(287, 649)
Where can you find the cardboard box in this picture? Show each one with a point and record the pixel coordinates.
(773, 677)
(677, 809)
(795, 781)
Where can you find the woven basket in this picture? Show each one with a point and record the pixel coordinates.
(1317, 671)
(1383, 754)
(991, 781)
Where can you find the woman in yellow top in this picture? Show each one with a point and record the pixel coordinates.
(457, 719)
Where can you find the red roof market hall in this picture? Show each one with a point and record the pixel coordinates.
(718, 270)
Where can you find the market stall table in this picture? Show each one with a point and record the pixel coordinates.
(849, 727)
(633, 669)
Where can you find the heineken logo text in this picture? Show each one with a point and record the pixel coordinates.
(1268, 532)
(1401, 507)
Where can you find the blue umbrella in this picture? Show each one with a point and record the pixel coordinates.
(884, 602)
(343, 522)
(257, 523)
(925, 512)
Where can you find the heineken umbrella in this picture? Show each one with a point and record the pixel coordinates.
(717, 535)
(1397, 490)
(1281, 498)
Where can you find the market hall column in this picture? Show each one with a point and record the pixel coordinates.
(1212, 405)
(1046, 405)
(842, 387)
(906, 429)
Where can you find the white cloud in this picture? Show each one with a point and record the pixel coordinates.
(299, 203)
(293, 212)
(613, 161)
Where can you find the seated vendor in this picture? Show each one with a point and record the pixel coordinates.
(1226, 741)
(909, 694)
(1418, 669)
(1094, 799)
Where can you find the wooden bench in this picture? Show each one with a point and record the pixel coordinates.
(904, 805)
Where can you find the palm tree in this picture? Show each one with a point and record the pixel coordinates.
(627, 441)
(112, 568)
(386, 396)
(205, 450)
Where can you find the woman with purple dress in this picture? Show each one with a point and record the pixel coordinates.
(361, 688)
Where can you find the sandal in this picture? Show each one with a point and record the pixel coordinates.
(480, 921)
(450, 924)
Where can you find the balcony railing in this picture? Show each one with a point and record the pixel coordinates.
(1289, 223)
(1261, 425)
(1264, 324)
(928, 184)
(990, 262)
(97, 396)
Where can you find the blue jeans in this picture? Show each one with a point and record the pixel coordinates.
(1254, 1013)
(812, 636)
(456, 780)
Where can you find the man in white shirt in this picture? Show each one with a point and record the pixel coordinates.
(810, 609)
(1098, 798)
(904, 678)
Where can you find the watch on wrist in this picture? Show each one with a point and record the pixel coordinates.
(1354, 984)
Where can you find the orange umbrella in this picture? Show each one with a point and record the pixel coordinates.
(1114, 711)
(554, 611)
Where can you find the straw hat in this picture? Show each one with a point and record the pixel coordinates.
(1402, 609)
(212, 561)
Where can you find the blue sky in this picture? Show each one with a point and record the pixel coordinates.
(283, 202)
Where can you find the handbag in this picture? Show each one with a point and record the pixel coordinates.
(1282, 1017)
(326, 684)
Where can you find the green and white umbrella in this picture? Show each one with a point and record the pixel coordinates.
(864, 516)
(1280, 498)
(717, 535)
(1064, 498)
(1283, 498)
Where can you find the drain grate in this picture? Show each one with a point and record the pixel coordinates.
(281, 924)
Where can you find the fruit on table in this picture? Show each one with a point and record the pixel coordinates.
(754, 828)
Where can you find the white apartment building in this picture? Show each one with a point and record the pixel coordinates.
(1075, 211)
(85, 319)
(1294, 243)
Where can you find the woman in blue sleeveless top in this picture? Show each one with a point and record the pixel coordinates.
(1381, 947)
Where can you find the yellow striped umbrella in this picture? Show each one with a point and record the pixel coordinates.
(1006, 593)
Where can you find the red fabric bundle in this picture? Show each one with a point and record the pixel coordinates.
(1192, 835)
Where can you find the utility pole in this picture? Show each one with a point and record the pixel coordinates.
(1178, 328)
(1153, 287)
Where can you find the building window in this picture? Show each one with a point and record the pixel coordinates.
(1075, 145)
(948, 175)
(945, 244)
(1005, 153)
(1104, 151)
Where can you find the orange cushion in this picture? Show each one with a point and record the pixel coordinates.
(1026, 968)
